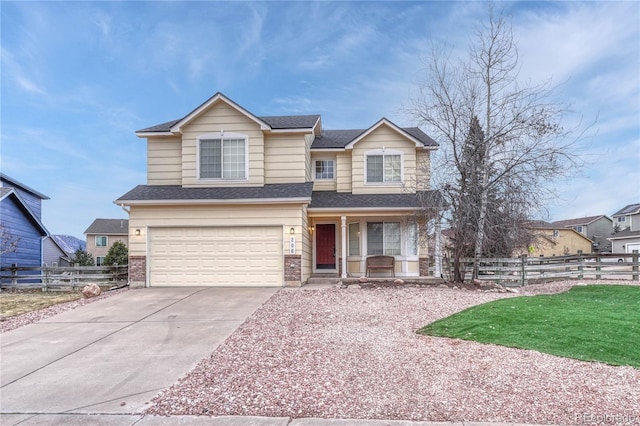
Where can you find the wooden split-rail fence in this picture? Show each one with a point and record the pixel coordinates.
(62, 277)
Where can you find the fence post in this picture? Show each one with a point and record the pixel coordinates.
(598, 267)
(634, 268)
(580, 265)
(45, 281)
(523, 270)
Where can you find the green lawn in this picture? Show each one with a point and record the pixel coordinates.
(590, 323)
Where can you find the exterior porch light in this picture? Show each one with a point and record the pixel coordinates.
(292, 231)
(137, 232)
(311, 229)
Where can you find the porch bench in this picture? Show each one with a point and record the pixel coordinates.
(383, 263)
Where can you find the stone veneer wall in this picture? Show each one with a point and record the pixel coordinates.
(292, 270)
(137, 271)
(423, 266)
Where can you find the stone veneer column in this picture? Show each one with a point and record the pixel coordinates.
(423, 265)
(137, 271)
(292, 270)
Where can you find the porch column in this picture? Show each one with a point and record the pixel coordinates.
(343, 247)
(438, 251)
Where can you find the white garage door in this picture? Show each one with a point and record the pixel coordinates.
(220, 256)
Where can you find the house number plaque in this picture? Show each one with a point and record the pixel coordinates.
(292, 245)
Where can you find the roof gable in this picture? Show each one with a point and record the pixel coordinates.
(218, 97)
(6, 193)
(385, 122)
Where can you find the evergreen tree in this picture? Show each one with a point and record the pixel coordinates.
(117, 254)
(82, 258)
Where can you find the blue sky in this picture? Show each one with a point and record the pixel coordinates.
(79, 78)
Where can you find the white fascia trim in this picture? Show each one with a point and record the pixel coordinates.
(360, 209)
(378, 124)
(177, 128)
(151, 134)
(302, 130)
(327, 149)
(306, 200)
(624, 238)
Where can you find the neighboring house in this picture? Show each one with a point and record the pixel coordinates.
(596, 228)
(553, 240)
(21, 221)
(237, 199)
(627, 240)
(101, 235)
(59, 250)
(627, 217)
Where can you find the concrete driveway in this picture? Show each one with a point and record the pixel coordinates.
(113, 356)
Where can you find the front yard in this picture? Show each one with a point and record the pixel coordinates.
(355, 353)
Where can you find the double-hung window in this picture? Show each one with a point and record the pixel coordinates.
(325, 170)
(222, 156)
(101, 240)
(383, 238)
(383, 166)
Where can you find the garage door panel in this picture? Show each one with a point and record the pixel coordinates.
(210, 256)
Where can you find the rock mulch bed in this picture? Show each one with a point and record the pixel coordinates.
(353, 353)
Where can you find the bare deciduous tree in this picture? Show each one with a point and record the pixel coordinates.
(501, 141)
(8, 242)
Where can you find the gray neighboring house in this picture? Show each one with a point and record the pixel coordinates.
(628, 238)
(101, 235)
(60, 249)
(596, 228)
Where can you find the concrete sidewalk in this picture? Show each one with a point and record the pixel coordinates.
(113, 356)
(130, 420)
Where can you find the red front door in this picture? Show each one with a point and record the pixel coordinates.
(326, 246)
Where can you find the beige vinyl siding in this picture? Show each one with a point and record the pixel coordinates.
(284, 158)
(343, 171)
(423, 169)
(386, 137)
(164, 161)
(222, 117)
(283, 215)
(307, 155)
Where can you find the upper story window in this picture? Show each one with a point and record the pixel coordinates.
(556, 233)
(325, 170)
(222, 156)
(578, 228)
(622, 218)
(383, 166)
(101, 241)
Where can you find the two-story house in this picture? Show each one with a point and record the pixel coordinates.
(554, 240)
(596, 228)
(627, 239)
(237, 199)
(101, 235)
(21, 229)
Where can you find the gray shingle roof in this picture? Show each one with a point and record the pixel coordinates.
(333, 199)
(276, 122)
(625, 233)
(630, 209)
(341, 138)
(14, 183)
(575, 222)
(177, 192)
(109, 227)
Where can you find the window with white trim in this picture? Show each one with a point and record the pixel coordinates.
(325, 169)
(622, 218)
(383, 166)
(100, 260)
(222, 156)
(354, 239)
(383, 238)
(101, 240)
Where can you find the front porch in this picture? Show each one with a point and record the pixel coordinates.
(340, 245)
